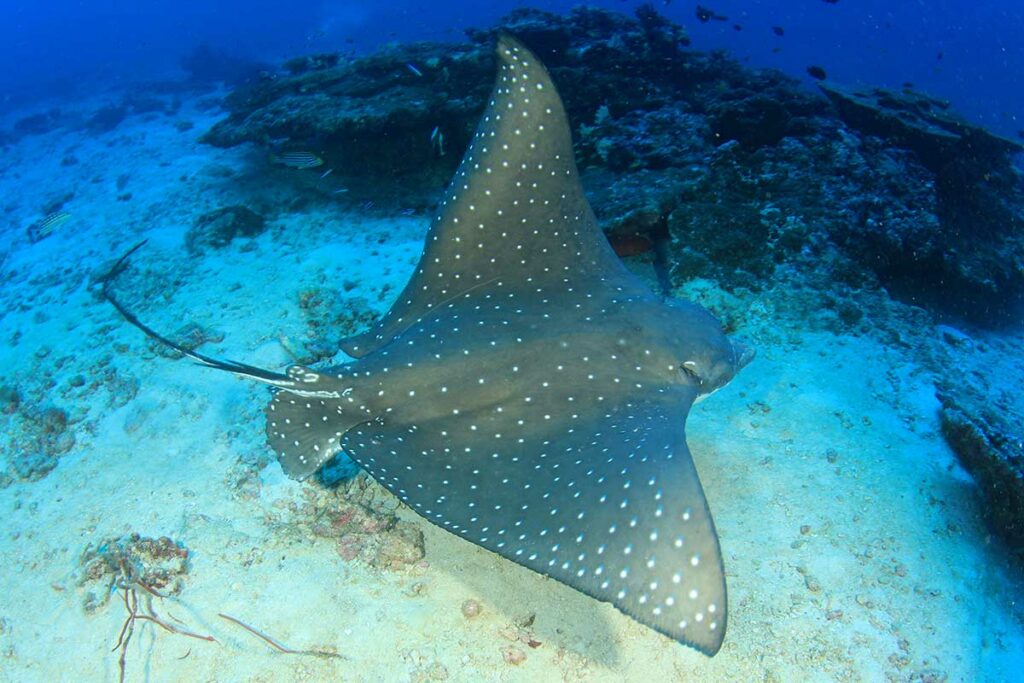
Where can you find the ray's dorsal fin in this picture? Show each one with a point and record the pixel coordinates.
(515, 209)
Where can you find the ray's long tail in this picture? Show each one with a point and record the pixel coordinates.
(293, 379)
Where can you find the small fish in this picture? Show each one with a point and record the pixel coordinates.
(705, 14)
(297, 159)
(816, 72)
(47, 225)
(437, 140)
(779, 31)
(340, 190)
(412, 67)
(326, 173)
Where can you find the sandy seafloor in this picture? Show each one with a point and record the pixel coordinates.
(854, 542)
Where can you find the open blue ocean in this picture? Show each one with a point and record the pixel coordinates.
(370, 342)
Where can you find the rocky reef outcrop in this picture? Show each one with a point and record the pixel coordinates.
(975, 245)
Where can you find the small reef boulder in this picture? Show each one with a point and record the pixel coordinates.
(987, 439)
(219, 227)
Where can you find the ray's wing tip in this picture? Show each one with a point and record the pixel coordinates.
(508, 48)
(507, 40)
(709, 643)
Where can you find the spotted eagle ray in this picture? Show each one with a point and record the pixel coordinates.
(526, 391)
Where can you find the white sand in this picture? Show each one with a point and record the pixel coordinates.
(893, 576)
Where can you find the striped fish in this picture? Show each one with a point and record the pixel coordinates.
(297, 159)
(45, 227)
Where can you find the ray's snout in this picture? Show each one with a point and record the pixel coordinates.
(724, 361)
(742, 354)
(709, 357)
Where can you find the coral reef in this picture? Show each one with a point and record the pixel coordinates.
(923, 124)
(743, 171)
(331, 316)
(976, 247)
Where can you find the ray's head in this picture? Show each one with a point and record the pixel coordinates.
(703, 355)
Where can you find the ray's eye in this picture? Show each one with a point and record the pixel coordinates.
(689, 369)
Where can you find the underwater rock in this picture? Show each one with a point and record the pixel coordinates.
(301, 65)
(106, 119)
(985, 433)
(209, 65)
(38, 124)
(401, 547)
(111, 564)
(331, 316)
(217, 228)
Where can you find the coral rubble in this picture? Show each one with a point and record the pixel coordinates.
(160, 564)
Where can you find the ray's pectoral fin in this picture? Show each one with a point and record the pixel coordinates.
(610, 504)
(305, 428)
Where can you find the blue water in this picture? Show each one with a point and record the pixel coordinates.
(971, 53)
